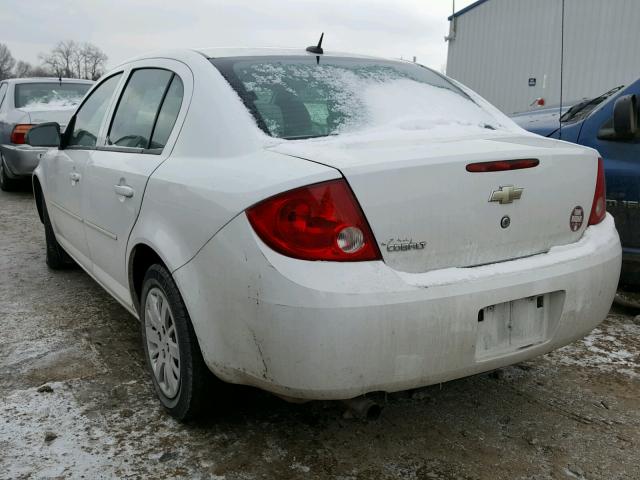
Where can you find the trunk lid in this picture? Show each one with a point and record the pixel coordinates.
(414, 191)
(42, 114)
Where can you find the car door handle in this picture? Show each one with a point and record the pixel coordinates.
(123, 190)
(75, 177)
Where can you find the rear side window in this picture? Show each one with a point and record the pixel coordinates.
(49, 95)
(140, 106)
(168, 114)
(91, 114)
(3, 91)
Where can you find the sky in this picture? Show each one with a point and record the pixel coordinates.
(125, 28)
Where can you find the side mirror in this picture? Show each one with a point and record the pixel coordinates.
(44, 135)
(625, 116)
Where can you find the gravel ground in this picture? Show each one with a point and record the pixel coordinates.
(77, 402)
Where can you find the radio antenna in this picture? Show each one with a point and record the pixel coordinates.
(317, 49)
(561, 68)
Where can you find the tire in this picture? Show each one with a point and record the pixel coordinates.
(56, 257)
(7, 184)
(630, 300)
(180, 377)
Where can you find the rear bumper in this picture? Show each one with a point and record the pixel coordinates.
(21, 160)
(323, 330)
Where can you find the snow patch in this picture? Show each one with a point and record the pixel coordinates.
(408, 105)
(299, 467)
(42, 105)
(56, 435)
(611, 348)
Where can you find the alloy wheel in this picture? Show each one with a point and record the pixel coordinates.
(162, 342)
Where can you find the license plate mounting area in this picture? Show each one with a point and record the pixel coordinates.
(515, 325)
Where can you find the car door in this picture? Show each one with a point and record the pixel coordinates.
(64, 169)
(622, 169)
(136, 143)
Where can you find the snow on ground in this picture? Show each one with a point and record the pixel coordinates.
(29, 416)
(55, 434)
(604, 350)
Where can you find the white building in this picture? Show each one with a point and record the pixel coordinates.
(509, 50)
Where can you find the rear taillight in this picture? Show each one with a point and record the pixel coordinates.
(318, 222)
(599, 207)
(19, 132)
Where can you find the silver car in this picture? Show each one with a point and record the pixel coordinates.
(25, 102)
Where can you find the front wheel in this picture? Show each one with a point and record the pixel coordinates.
(57, 258)
(180, 377)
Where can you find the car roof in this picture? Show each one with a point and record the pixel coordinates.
(221, 52)
(49, 80)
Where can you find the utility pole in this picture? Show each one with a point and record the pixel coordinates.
(452, 25)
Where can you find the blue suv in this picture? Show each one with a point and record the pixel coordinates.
(608, 123)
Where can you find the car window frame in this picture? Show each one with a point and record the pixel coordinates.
(72, 122)
(144, 151)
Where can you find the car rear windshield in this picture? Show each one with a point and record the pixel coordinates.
(295, 97)
(49, 95)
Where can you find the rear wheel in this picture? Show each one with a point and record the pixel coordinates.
(6, 184)
(57, 258)
(180, 377)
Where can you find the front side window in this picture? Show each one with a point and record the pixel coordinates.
(298, 97)
(138, 108)
(91, 114)
(48, 95)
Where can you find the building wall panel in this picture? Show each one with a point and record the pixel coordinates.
(500, 44)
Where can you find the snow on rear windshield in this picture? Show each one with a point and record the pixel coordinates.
(296, 97)
(49, 95)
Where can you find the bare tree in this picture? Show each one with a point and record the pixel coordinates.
(25, 69)
(94, 61)
(22, 69)
(70, 59)
(60, 59)
(6, 62)
(40, 71)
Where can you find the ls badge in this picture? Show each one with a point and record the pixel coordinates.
(506, 194)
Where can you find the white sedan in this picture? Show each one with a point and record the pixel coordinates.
(322, 225)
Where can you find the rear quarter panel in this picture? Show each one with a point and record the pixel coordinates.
(217, 168)
(189, 199)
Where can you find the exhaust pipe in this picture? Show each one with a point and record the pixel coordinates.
(363, 408)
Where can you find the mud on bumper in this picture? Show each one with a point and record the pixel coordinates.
(326, 330)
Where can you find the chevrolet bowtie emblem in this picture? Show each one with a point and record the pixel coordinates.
(506, 194)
